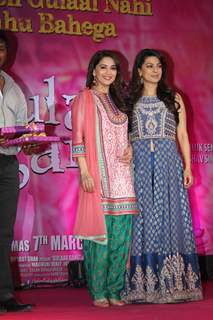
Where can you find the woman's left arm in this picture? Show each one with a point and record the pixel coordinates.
(183, 140)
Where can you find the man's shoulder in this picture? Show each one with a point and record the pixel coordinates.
(11, 84)
(6, 75)
(9, 81)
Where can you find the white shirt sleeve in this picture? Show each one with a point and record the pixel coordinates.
(1, 111)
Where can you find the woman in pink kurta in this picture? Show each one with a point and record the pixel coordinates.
(106, 199)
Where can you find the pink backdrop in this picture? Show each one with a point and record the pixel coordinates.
(51, 68)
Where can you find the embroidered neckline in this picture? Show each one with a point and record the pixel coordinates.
(113, 113)
(149, 99)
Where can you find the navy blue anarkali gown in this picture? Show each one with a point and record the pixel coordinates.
(163, 264)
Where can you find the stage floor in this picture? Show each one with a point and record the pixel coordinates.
(75, 304)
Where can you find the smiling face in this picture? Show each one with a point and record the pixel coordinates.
(3, 53)
(151, 70)
(105, 73)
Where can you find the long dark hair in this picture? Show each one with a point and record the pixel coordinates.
(4, 38)
(116, 88)
(164, 92)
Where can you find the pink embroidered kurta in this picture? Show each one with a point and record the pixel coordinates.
(117, 193)
(100, 134)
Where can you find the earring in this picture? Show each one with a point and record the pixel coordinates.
(94, 82)
(141, 80)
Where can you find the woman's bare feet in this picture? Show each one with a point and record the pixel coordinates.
(116, 302)
(101, 303)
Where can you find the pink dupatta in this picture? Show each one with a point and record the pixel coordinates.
(90, 221)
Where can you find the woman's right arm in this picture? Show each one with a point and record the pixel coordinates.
(86, 179)
(78, 146)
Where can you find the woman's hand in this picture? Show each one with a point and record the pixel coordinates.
(188, 178)
(87, 182)
(126, 158)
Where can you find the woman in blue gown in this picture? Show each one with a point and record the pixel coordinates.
(163, 262)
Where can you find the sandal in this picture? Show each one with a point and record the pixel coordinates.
(116, 302)
(101, 303)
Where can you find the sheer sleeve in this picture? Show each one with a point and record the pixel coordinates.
(78, 126)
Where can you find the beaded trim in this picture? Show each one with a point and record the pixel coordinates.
(78, 150)
(113, 113)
